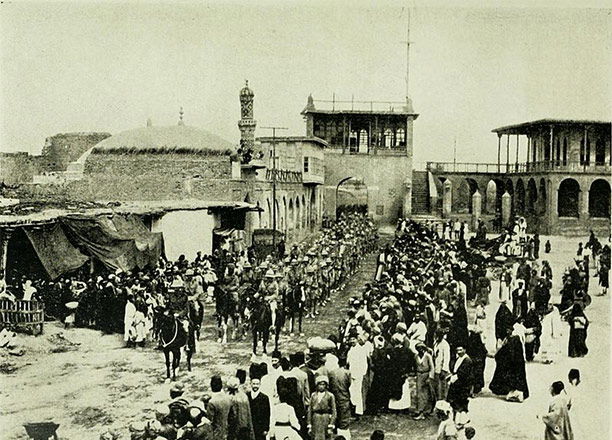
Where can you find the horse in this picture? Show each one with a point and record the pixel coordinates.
(175, 334)
(195, 312)
(227, 305)
(260, 317)
(295, 300)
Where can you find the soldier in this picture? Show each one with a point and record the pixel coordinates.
(295, 298)
(269, 290)
(311, 284)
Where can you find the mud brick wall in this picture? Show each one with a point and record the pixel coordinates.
(16, 168)
(63, 148)
(154, 177)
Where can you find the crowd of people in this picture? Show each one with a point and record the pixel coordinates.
(412, 342)
(295, 284)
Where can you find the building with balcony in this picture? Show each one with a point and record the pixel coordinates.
(554, 172)
(370, 144)
(294, 166)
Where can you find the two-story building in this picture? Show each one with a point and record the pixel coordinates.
(370, 146)
(554, 172)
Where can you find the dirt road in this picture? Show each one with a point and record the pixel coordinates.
(88, 383)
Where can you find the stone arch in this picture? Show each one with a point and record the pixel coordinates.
(568, 198)
(298, 213)
(313, 209)
(461, 202)
(269, 211)
(304, 212)
(542, 198)
(497, 201)
(599, 199)
(291, 216)
(510, 190)
(532, 197)
(490, 196)
(519, 201)
(284, 216)
(277, 214)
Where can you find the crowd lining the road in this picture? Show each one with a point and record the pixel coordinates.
(416, 332)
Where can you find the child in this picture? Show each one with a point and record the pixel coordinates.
(447, 429)
(547, 247)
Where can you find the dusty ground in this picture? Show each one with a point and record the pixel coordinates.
(89, 383)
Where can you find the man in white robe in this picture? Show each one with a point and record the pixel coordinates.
(128, 318)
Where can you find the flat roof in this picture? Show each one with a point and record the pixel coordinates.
(25, 214)
(526, 127)
(312, 139)
(361, 112)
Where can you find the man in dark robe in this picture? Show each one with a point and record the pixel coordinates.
(240, 424)
(218, 409)
(339, 384)
(260, 410)
(519, 300)
(458, 334)
(378, 396)
(534, 331)
(510, 368)
(460, 385)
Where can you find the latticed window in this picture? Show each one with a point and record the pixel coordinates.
(400, 137)
(363, 138)
(353, 141)
(388, 138)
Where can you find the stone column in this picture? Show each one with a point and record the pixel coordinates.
(476, 209)
(506, 208)
(583, 204)
(407, 205)
(447, 198)
(5, 236)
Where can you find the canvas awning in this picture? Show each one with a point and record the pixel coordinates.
(119, 242)
(57, 255)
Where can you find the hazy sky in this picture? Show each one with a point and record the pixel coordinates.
(85, 66)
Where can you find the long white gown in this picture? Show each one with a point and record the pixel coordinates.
(284, 423)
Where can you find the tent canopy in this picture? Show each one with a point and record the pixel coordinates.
(119, 242)
(55, 251)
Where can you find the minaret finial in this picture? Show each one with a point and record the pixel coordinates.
(181, 113)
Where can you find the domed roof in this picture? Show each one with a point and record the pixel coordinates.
(246, 91)
(174, 138)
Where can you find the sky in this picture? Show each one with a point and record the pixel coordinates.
(90, 66)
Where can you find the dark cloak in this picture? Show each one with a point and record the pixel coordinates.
(510, 369)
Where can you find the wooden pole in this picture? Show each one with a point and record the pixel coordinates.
(499, 152)
(507, 152)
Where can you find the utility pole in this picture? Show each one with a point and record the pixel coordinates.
(407, 43)
(274, 181)
(455, 155)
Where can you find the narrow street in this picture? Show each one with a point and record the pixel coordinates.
(88, 383)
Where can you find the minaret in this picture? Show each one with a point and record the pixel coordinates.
(246, 124)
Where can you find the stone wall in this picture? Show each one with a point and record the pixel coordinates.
(17, 168)
(63, 148)
(385, 177)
